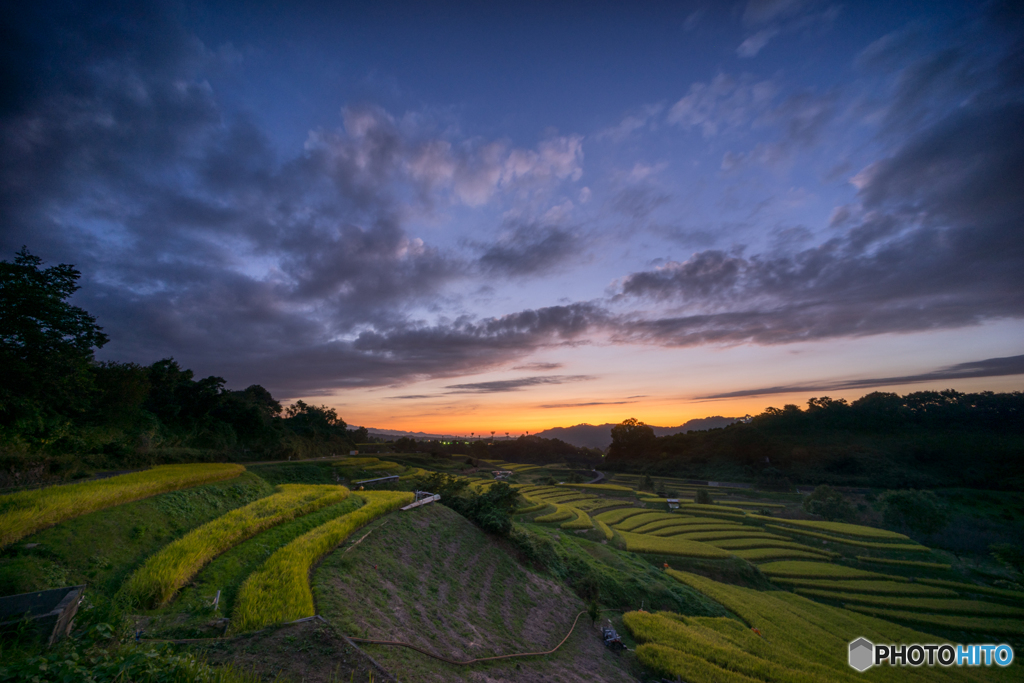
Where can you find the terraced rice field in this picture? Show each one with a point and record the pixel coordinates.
(26, 512)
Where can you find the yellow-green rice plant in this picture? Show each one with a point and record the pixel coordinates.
(676, 520)
(761, 542)
(708, 647)
(755, 504)
(640, 520)
(600, 487)
(670, 662)
(537, 507)
(670, 546)
(1017, 596)
(561, 497)
(356, 462)
(616, 516)
(904, 563)
(604, 529)
(855, 530)
(818, 570)
(582, 521)
(975, 608)
(279, 590)
(894, 547)
(758, 555)
(699, 508)
(590, 504)
(561, 513)
(726, 532)
(156, 581)
(904, 588)
(696, 531)
(794, 631)
(26, 512)
(999, 627)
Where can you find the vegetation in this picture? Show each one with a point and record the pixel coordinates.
(819, 570)
(904, 563)
(966, 607)
(164, 573)
(279, 591)
(582, 521)
(976, 589)
(894, 547)
(997, 627)
(670, 546)
(26, 512)
(826, 502)
(865, 586)
(491, 510)
(923, 438)
(919, 511)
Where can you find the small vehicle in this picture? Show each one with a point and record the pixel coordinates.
(612, 640)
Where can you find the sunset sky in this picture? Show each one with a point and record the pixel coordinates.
(456, 217)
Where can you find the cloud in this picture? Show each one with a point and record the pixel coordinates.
(199, 238)
(778, 17)
(932, 242)
(755, 43)
(583, 405)
(725, 103)
(529, 249)
(506, 385)
(537, 367)
(990, 367)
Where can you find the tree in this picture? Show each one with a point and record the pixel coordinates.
(703, 497)
(826, 502)
(46, 346)
(631, 439)
(1008, 554)
(920, 511)
(314, 421)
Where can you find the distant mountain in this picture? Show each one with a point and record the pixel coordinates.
(397, 433)
(600, 436)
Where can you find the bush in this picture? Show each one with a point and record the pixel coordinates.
(826, 502)
(491, 510)
(703, 497)
(919, 511)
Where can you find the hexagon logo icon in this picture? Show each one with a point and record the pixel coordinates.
(862, 654)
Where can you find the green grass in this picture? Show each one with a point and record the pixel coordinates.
(819, 570)
(770, 554)
(974, 608)
(641, 520)
(893, 547)
(906, 589)
(102, 548)
(998, 627)
(27, 512)
(842, 528)
(164, 573)
(670, 546)
(613, 517)
(795, 633)
(905, 563)
(1017, 596)
(279, 591)
(191, 609)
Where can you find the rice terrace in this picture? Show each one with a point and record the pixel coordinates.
(511, 342)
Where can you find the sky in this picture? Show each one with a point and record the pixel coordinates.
(475, 217)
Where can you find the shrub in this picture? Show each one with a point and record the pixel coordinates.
(1009, 555)
(164, 573)
(279, 590)
(703, 497)
(26, 512)
(920, 511)
(826, 502)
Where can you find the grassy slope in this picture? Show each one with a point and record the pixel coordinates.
(191, 612)
(103, 547)
(432, 578)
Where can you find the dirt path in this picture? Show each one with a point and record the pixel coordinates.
(434, 580)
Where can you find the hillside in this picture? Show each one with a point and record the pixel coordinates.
(600, 436)
(433, 579)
